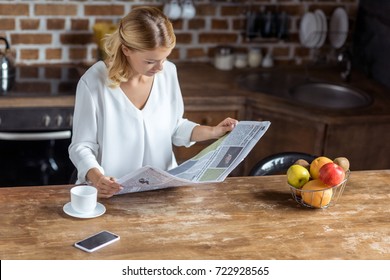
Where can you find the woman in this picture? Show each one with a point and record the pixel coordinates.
(129, 110)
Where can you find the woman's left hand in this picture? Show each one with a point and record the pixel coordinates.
(225, 126)
(204, 132)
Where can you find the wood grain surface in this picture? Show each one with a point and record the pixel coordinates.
(240, 218)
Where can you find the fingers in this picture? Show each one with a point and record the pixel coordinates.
(225, 126)
(107, 187)
(228, 124)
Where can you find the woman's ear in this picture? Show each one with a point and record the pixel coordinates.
(125, 50)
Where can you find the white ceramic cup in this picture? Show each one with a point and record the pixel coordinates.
(83, 198)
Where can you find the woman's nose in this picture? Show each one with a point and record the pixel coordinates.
(159, 66)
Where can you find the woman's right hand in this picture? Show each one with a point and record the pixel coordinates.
(106, 186)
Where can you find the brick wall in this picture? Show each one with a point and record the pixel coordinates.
(44, 31)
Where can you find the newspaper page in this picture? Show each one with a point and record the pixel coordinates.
(213, 164)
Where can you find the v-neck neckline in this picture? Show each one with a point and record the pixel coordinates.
(148, 99)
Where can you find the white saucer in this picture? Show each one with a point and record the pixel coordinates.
(99, 210)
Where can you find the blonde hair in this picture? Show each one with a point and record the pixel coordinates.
(143, 29)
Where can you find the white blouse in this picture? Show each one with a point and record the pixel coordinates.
(111, 134)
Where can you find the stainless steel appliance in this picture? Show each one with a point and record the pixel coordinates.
(7, 68)
(34, 137)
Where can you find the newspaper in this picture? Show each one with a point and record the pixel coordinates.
(213, 164)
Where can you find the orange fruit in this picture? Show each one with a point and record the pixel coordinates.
(316, 164)
(316, 194)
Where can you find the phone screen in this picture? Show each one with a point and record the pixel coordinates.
(97, 241)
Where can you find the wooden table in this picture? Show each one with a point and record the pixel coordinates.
(241, 218)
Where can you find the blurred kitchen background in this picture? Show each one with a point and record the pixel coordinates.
(43, 32)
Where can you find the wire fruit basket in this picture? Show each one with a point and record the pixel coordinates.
(323, 198)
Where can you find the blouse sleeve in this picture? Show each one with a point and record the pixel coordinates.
(84, 147)
(184, 127)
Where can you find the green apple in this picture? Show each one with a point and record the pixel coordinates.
(297, 175)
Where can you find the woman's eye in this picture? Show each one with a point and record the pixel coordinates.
(155, 62)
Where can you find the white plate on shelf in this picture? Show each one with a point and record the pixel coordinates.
(338, 28)
(308, 34)
(323, 28)
(99, 210)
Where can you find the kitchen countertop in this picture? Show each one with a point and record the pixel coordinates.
(240, 218)
(202, 82)
(42, 86)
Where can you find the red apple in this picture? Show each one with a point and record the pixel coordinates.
(331, 174)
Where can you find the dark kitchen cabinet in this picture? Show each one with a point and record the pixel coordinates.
(206, 111)
(287, 133)
(366, 145)
(363, 142)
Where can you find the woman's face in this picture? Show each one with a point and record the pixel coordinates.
(147, 63)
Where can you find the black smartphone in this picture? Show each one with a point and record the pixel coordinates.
(97, 241)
